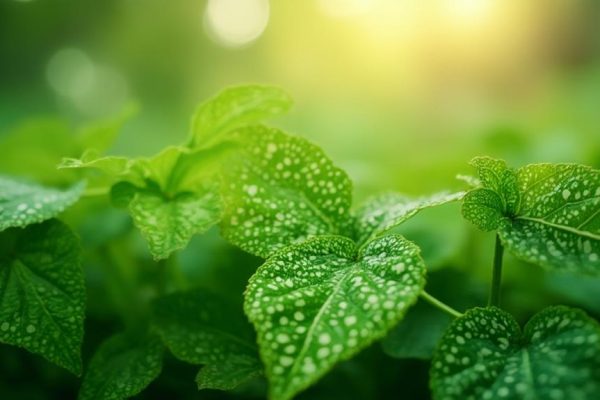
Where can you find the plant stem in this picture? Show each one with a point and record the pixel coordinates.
(438, 304)
(494, 299)
(92, 192)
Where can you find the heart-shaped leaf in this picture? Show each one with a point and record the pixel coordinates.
(280, 190)
(322, 301)
(485, 355)
(547, 214)
(42, 292)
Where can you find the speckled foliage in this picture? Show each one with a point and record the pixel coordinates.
(122, 367)
(485, 355)
(322, 301)
(282, 189)
(547, 214)
(23, 203)
(42, 292)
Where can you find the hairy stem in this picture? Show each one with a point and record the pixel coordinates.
(494, 299)
(438, 304)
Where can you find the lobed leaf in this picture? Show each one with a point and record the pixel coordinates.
(122, 367)
(280, 190)
(234, 108)
(548, 214)
(485, 355)
(201, 328)
(42, 292)
(384, 212)
(322, 301)
(23, 203)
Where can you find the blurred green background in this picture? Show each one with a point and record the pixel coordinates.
(401, 93)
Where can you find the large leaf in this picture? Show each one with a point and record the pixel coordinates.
(233, 108)
(202, 328)
(24, 203)
(548, 214)
(384, 212)
(281, 190)
(42, 292)
(122, 367)
(322, 301)
(485, 355)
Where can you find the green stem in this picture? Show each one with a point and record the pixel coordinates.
(93, 192)
(438, 304)
(494, 299)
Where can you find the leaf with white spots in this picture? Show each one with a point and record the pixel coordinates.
(384, 212)
(322, 301)
(281, 189)
(122, 367)
(547, 214)
(233, 108)
(202, 328)
(23, 203)
(485, 355)
(42, 292)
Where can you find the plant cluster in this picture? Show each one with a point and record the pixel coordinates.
(335, 277)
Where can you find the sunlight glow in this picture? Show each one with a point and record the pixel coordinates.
(235, 23)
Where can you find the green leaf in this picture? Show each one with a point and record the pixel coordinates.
(547, 214)
(168, 224)
(233, 108)
(111, 165)
(280, 190)
(485, 355)
(23, 203)
(100, 135)
(384, 212)
(322, 301)
(228, 375)
(42, 292)
(201, 328)
(122, 367)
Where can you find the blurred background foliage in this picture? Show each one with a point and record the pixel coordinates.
(401, 93)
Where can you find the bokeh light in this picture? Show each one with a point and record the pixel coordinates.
(236, 22)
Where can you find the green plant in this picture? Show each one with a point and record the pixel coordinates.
(334, 280)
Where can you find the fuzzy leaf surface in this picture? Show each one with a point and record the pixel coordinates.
(485, 355)
(233, 108)
(42, 292)
(322, 301)
(122, 367)
(547, 214)
(281, 189)
(24, 203)
(201, 328)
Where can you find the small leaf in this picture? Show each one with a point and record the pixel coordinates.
(111, 165)
(168, 224)
(100, 135)
(484, 355)
(234, 108)
(228, 375)
(552, 218)
(384, 212)
(202, 328)
(322, 301)
(24, 203)
(280, 190)
(122, 367)
(42, 292)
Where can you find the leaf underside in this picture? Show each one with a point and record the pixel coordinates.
(485, 355)
(281, 190)
(320, 302)
(122, 367)
(43, 293)
(24, 203)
